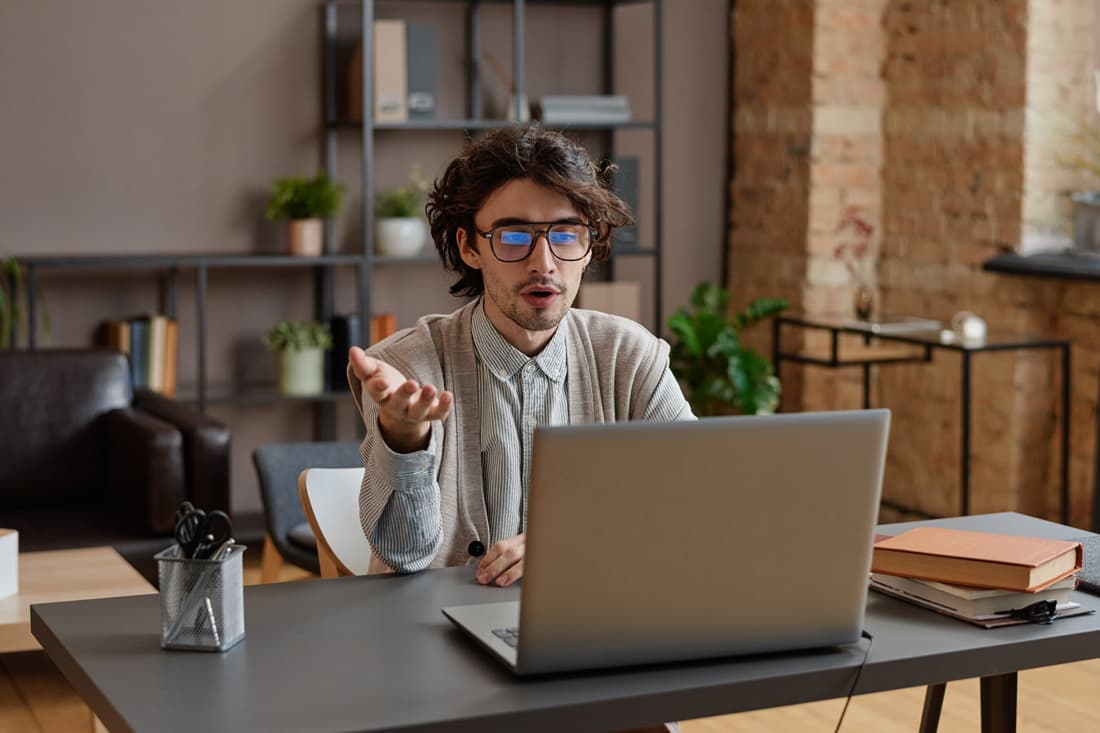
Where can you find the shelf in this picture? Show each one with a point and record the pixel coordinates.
(208, 260)
(588, 3)
(223, 394)
(437, 125)
(1067, 265)
(420, 259)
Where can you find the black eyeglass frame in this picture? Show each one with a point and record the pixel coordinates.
(536, 232)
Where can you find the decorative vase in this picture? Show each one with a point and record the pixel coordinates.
(400, 237)
(865, 300)
(302, 372)
(305, 237)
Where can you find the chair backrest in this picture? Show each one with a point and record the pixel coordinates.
(330, 497)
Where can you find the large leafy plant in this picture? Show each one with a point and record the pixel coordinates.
(298, 336)
(305, 198)
(718, 374)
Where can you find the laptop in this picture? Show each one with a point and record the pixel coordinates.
(660, 542)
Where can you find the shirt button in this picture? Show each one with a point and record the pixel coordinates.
(476, 549)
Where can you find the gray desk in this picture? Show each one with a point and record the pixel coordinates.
(376, 654)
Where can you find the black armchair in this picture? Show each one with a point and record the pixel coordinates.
(88, 460)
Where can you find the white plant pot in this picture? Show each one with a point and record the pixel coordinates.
(302, 372)
(402, 237)
(304, 237)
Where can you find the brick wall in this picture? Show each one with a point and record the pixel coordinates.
(918, 113)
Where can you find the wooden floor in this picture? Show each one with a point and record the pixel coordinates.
(35, 698)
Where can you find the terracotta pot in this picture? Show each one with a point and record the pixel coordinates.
(305, 237)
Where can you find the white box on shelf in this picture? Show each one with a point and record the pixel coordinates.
(9, 562)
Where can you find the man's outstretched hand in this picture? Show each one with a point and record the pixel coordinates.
(405, 408)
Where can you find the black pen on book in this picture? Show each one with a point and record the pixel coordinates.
(1040, 612)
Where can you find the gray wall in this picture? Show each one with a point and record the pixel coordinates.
(151, 126)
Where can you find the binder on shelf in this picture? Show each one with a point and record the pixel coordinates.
(420, 71)
(171, 358)
(389, 69)
(624, 183)
(390, 76)
(158, 339)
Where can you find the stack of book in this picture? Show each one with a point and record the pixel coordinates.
(152, 343)
(986, 579)
(593, 109)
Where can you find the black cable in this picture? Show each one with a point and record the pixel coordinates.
(867, 653)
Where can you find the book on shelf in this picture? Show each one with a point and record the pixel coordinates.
(624, 182)
(152, 344)
(420, 70)
(979, 559)
(583, 109)
(989, 621)
(894, 324)
(974, 602)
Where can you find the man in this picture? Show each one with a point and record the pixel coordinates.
(451, 404)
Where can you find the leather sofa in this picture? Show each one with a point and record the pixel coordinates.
(86, 459)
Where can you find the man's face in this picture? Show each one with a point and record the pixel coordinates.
(525, 300)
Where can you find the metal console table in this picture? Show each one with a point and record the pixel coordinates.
(929, 341)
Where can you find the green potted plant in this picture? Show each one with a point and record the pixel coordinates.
(305, 203)
(12, 293)
(400, 229)
(718, 374)
(301, 346)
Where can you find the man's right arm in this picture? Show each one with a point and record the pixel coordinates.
(399, 499)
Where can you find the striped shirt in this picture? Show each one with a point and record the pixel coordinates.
(516, 394)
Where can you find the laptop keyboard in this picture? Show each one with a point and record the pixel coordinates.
(508, 636)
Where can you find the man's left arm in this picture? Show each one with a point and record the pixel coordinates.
(668, 403)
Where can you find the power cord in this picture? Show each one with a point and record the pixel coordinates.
(870, 640)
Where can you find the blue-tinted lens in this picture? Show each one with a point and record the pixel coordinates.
(560, 237)
(513, 237)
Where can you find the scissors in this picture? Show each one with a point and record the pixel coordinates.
(200, 533)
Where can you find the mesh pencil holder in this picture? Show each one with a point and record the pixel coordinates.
(201, 601)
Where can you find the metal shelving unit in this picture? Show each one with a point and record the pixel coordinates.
(169, 267)
(334, 124)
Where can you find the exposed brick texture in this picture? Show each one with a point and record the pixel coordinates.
(948, 125)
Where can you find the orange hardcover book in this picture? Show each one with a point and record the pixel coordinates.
(171, 358)
(978, 559)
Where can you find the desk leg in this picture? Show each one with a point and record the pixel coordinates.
(964, 479)
(999, 703)
(776, 324)
(933, 705)
(1065, 432)
(866, 386)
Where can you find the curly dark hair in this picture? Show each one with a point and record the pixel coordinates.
(543, 156)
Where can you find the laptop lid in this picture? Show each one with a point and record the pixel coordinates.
(652, 542)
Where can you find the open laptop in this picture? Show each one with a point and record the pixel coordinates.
(658, 542)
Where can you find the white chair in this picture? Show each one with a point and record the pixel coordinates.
(330, 497)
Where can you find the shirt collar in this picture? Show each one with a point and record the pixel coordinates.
(504, 360)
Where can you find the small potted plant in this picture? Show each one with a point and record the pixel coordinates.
(400, 229)
(301, 346)
(719, 375)
(305, 203)
(857, 255)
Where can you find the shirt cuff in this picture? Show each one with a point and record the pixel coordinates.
(404, 466)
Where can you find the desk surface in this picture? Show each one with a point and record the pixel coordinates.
(376, 653)
(63, 575)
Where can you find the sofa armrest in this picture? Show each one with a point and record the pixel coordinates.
(145, 471)
(205, 448)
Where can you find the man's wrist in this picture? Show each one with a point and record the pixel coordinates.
(405, 439)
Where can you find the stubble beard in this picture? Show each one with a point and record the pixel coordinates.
(512, 305)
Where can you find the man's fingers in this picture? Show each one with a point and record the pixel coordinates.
(501, 558)
(511, 575)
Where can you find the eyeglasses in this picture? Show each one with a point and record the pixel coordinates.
(515, 242)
